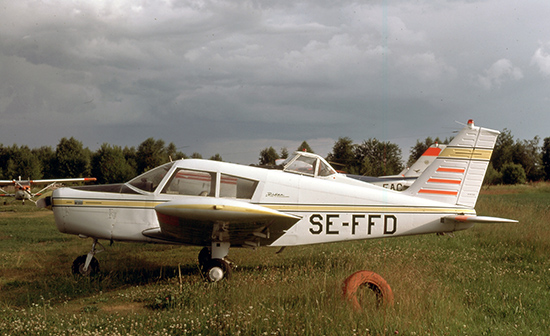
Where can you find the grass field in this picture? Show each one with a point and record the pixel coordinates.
(489, 280)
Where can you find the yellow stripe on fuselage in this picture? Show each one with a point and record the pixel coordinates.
(105, 203)
(359, 208)
(466, 153)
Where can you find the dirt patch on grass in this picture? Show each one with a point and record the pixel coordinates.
(30, 214)
(500, 191)
(123, 308)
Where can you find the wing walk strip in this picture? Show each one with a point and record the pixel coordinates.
(278, 207)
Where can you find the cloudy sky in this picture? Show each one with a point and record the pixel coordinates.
(233, 77)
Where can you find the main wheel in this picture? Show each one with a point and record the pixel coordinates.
(78, 266)
(216, 270)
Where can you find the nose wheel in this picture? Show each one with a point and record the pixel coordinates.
(87, 264)
(79, 266)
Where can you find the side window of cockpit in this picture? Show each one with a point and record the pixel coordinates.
(325, 170)
(237, 187)
(191, 182)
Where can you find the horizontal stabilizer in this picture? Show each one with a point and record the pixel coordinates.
(476, 219)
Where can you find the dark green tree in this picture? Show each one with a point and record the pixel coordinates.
(546, 157)
(3, 161)
(110, 166)
(377, 158)
(150, 154)
(304, 147)
(46, 156)
(528, 154)
(284, 153)
(492, 176)
(130, 155)
(71, 159)
(268, 156)
(342, 155)
(22, 163)
(504, 149)
(173, 153)
(513, 173)
(216, 157)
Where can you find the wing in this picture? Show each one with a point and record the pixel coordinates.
(5, 193)
(201, 220)
(77, 179)
(52, 182)
(476, 219)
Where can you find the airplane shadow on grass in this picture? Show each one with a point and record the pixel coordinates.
(126, 271)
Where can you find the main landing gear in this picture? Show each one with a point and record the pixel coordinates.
(212, 262)
(87, 264)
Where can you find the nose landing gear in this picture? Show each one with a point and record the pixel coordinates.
(87, 264)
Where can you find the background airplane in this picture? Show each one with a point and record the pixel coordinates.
(219, 205)
(405, 178)
(23, 187)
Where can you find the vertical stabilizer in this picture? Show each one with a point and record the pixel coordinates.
(455, 177)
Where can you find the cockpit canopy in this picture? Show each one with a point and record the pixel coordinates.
(310, 164)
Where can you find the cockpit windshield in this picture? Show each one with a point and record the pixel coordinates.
(150, 180)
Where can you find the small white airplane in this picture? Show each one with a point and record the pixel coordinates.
(23, 187)
(219, 205)
(405, 178)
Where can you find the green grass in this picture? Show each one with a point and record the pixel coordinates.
(489, 280)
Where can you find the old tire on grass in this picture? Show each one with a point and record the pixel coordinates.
(371, 280)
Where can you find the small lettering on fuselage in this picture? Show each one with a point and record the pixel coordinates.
(393, 186)
(277, 195)
(332, 224)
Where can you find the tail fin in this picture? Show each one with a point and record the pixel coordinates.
(455, 177)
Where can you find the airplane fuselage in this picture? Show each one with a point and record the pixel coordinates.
(328, 211)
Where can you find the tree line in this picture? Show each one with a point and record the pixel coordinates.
(513, 160)
(109, 164)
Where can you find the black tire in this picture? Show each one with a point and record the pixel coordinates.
(216, 270)
(78, 266)
(204, 257)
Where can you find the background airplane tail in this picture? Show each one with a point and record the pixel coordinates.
(424, 161)
(455, 177)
